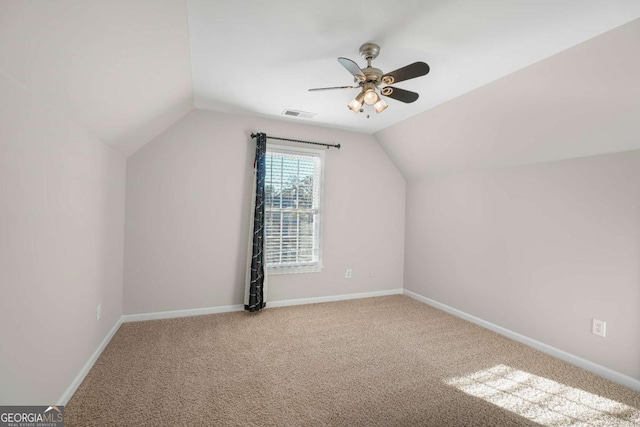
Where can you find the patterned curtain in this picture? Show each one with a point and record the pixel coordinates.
(255, 286)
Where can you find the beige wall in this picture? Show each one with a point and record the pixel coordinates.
(187, 216)
(61, 247)
(539, 250)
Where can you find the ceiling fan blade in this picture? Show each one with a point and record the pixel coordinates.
(353, 68)
(332, 88)
(411, 71)
(399, 94)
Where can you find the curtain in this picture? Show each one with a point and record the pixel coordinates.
(256, 281)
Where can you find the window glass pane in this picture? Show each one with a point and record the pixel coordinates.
(292, 197)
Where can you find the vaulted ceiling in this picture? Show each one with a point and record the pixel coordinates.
(580, 102)
(126, 70)
(118, 68)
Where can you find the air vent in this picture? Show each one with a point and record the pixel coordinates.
(299, 114)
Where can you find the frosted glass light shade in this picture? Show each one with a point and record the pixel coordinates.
(380, 106)
(370, 97)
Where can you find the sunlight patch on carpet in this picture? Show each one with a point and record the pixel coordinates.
(544, 401)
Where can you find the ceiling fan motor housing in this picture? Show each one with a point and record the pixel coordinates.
(373, 75)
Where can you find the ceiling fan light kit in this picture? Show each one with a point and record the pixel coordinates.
(356, 104)
(380, 106)
(370, 95)
(369, 79)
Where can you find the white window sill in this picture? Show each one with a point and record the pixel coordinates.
(274, 271)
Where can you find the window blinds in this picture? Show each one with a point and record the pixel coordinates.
(292, 209)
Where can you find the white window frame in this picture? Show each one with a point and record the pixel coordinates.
(317, 266)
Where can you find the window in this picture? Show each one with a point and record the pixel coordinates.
(293, 190)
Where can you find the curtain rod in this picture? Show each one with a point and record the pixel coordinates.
(253, 135)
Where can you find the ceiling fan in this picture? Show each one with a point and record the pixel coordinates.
(369, 79)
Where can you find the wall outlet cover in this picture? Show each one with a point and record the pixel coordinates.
(599, 327)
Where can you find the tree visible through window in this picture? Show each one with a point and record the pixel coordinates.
(292, 209)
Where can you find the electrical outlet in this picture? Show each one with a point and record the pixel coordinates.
(99, 311)
(347, 273)
(599, 327)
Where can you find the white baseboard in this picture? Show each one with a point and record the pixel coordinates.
(64, 399)
(343, 297)
(172, 314)
(600, 370)
(270, 304)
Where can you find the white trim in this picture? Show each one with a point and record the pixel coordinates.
(64, 399)
(600, 370)
(343, 297)
(300, 269)
(270, 304)
(180, 313)
(284, 148)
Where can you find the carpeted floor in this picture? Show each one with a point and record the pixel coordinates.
(388, 361)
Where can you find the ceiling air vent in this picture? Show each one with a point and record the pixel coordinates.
(299, 114)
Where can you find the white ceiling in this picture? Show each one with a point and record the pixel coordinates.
(126, 70)
(260, 57)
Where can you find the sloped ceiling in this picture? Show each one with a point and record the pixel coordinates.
(581, 102)
(119, 68)
(126, 70)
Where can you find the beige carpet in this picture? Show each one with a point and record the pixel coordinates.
(389, 361)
